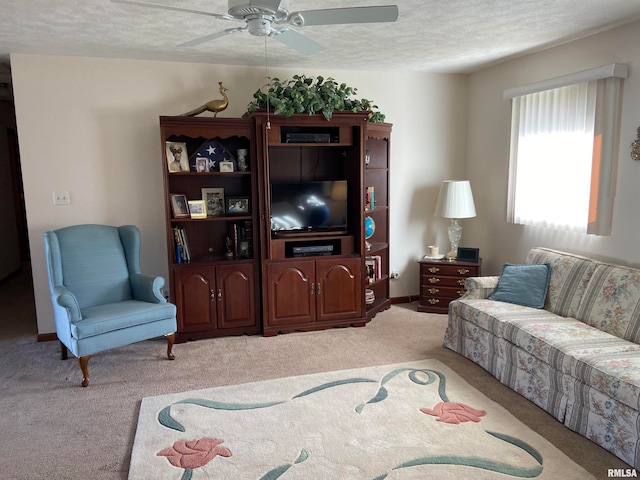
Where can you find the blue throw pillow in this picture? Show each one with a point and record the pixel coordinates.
(523, 285)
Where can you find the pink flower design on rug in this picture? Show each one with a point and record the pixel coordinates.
(194, 453)
(455, 413)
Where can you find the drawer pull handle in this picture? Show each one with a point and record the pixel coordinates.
(434, 280)
(460, 292)
(434, 290)
(434, 269)
(463, 271)
(433, 301)
(461, 282)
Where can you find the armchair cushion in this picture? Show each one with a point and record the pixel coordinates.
(116, 316)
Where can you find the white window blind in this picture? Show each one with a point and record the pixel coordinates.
(562, 159)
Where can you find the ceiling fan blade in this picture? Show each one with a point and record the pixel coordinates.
(335, 16)
(211, 36)
(297, 41)
(174, 9)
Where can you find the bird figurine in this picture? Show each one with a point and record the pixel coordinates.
(214, 106)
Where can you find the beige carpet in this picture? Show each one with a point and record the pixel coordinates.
(54, 429)
(411, 420)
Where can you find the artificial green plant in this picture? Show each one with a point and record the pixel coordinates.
(311, 95)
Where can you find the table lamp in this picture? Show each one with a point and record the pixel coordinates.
(455, 201)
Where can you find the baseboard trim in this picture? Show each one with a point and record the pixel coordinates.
(404, 299)
(47, 337)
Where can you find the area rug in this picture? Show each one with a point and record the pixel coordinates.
(415, 420)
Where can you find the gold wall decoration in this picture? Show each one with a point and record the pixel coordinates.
(635, 147)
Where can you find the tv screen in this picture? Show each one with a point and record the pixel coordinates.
(309, 206)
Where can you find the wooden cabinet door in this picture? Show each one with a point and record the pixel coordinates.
(235, 296)
(338, 289)
(195, 298)
(291, 290)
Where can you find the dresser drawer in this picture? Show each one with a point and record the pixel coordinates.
(441, 282)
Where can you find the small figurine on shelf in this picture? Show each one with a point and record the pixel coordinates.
(242, 159)
(229, 252)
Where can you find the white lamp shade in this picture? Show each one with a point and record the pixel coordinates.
(455, 200)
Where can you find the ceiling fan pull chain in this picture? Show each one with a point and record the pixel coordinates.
(266, 69)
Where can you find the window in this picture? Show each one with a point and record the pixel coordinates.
(563, 151)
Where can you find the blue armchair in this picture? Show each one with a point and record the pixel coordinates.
(100, 298)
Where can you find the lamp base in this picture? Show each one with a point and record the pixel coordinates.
(455, 234)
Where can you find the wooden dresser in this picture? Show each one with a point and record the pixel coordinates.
(442, 281)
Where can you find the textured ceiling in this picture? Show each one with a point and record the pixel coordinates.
(447, 36)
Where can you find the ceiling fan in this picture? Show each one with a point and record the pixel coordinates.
(271, 18)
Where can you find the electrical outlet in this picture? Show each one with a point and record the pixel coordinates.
(394, 275)
(61, 198)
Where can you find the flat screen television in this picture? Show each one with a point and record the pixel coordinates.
(313, 206)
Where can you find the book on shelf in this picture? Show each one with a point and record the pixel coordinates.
(183, 252)
(240, 235)
(369, 199)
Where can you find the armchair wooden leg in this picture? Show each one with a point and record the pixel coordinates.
(63, 351)
(171, 339)
(84, 366)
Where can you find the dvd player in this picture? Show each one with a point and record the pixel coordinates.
(307, 138)
(310, 250)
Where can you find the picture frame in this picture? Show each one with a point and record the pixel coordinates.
(180, 206)
(214, 201)
(177, 157)
(238, 205)
(226, 166)
(197, 209)
(202, 164)
(468, 254)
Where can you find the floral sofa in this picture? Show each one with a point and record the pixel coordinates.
(578, 357)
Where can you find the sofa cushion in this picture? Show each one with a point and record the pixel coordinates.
(523, 285)
(570, 275)
(612, 301)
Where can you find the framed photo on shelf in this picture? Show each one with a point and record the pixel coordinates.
(197, 209)
(214, 201)
(177, 157)
(179, 205)
(238, 206)
(226, 166)
(202, 164)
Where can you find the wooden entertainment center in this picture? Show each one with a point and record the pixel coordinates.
(236, 273)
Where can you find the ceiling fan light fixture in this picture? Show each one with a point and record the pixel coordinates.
(260, 27)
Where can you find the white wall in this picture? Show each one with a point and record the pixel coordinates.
(90, 126)
(487, 159)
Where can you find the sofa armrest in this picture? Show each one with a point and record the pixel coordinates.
(479, 287)
(147, 288)
(60, 295)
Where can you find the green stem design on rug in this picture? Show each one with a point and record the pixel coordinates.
(480, 463)
(421, 377)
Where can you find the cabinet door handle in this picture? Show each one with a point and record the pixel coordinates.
(434, 269)
(434, 280)
(318, 289)
(219, 294)
(213, 295)
(433, 290)
(463, 271)
(433, 301)
(313, 287)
